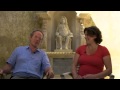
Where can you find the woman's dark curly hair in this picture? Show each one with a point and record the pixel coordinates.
(94, 31)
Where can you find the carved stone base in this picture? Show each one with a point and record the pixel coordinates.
(63, 50)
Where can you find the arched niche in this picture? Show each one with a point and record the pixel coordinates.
(55, 17)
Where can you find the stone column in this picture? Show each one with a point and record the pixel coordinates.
(44, 18)
(44, 30)
(81, 28)
(78, 37)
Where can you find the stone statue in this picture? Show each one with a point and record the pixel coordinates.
(63, 33)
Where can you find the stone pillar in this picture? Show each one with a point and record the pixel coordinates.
(81, 29)
(44, 19)
(44, 30)
(78, 37)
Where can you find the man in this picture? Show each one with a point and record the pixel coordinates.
(29, 62)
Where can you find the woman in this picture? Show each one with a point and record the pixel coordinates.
(92, 57)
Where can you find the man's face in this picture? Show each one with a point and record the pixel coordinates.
(35, 39)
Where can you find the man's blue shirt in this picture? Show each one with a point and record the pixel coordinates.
(23, 60)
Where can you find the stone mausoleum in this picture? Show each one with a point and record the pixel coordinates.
(61, 35)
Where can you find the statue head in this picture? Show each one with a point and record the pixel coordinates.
(63, 20)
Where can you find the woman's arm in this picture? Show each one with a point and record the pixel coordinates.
(108, 66)
(74, 67)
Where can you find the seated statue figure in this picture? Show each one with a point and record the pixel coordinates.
(63, 33)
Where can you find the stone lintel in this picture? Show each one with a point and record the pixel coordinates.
(60, 54)
(63, 50)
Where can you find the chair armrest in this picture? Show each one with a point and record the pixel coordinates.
(111, 76)
(5, 76)
(2, 76)
(64, 74)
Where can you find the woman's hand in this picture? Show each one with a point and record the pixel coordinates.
(78, 77)
(89, 76)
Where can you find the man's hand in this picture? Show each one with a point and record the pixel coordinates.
(1, 71)
(50, 74)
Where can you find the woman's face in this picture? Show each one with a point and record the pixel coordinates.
(89, 39)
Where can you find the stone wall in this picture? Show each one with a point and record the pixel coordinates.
(61, 61)
(62, 65)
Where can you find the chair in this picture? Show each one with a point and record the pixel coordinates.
(5, 76)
